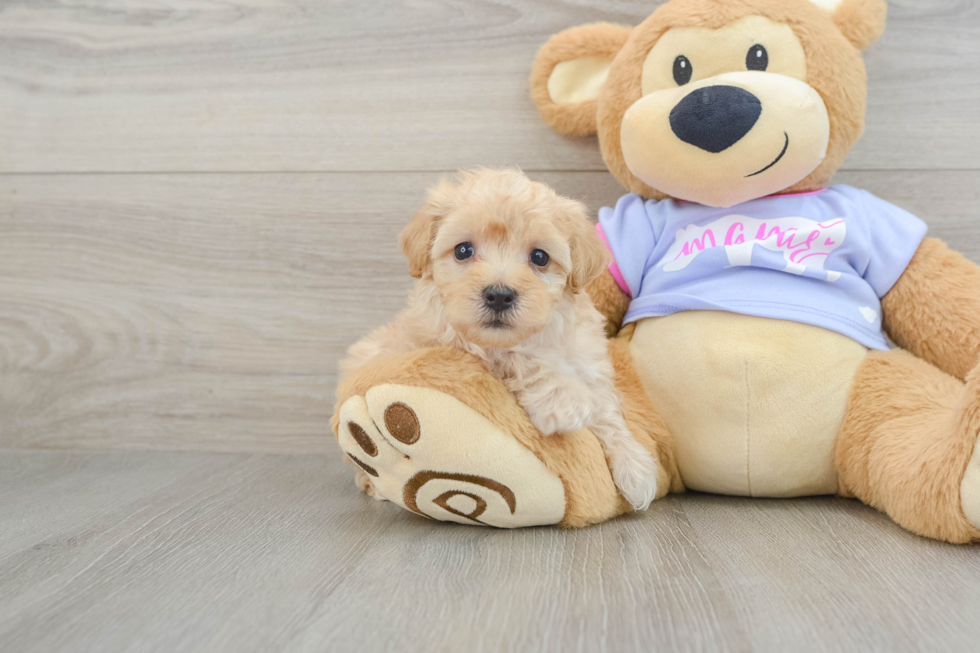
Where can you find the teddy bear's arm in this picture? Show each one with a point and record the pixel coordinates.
(611, 301)
(933, 310)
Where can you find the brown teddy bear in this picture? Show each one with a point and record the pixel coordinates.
(748, 300)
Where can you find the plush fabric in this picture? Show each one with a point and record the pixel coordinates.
(578, 80)
(612, 300)
(970, 488)
(906, 441)
(932, 310)
(751, 411)
(598, 41)
(492, 479)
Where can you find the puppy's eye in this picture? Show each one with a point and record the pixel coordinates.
(757, 58)
(682, 70)
(463, 251)
(540, 258)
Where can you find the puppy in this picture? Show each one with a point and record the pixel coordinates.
(501, 264)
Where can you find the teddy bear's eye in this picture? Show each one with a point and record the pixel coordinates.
(757, 58)
(463, 251)
(682, 70)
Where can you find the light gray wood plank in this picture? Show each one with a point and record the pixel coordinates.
(209, 311)
(45, 496)
(623, 585)
(860, 575)
(239, 546)
(190, 310)
(257, 553)
(260, 85)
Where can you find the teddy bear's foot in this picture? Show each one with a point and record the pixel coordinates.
(908, 445)
(970, 487)
(431, 454)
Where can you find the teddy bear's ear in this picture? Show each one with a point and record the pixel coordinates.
(861, 21)
(569, 72)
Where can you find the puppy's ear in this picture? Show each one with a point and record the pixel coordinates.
(416, 241)
(589, 254)
(416, 238)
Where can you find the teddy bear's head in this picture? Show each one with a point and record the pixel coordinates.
(716, 101)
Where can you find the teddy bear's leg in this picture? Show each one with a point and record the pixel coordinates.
(439, 436)
(907, 445)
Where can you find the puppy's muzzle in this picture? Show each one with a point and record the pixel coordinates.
(499, 299)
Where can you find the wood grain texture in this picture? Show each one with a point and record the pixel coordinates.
(153, 551)
(344, 85)
(208, 312)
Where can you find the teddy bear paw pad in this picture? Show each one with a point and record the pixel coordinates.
(433, 455)
(970, 487)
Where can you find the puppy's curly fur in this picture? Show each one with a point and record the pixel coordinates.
(548, 346)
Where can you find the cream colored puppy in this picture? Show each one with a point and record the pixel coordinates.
(502, 263)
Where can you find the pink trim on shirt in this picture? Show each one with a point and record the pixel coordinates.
(803, 194)
(614, 270)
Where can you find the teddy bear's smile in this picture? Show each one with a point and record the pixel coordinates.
(778, 158)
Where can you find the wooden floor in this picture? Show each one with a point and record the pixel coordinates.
(176, 551)
(198, 209)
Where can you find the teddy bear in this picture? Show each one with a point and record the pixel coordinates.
(747, 299)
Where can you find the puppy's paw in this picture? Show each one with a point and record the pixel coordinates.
(559, 417)
(635, 474)
(561, 405)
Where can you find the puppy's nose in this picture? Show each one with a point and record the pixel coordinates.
(714, 118)
(499, 298)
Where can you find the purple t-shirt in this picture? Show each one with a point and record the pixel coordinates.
(823, 258)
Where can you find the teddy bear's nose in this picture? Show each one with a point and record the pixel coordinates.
(714, 118)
